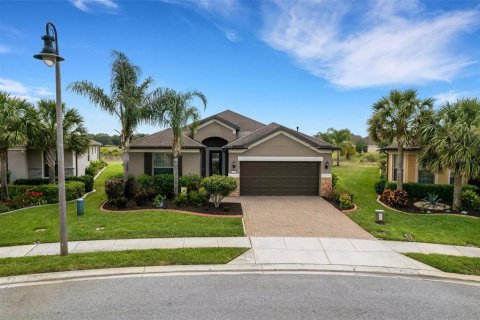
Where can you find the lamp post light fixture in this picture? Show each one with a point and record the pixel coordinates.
(51, 56)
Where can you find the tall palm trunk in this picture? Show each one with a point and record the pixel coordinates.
(51, 159)
(3, 175)
(176, 155)
(400, 169)
(457, 191)
(126, 162)
(338, 158)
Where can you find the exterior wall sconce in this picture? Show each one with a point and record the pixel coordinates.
(327, 164)
(234, 166)
(379, 216)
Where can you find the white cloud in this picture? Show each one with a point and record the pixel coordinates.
(42, 91)
(19, 90)
(230, 34)
(451, 96)
(12, 86)
(85, 5)
(393, 42)
(222, 7)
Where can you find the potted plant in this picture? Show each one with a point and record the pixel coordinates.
(158, 201)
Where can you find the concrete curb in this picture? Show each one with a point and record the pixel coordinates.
(176, 270)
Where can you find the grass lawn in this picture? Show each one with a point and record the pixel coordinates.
(19, 227)
(454, 264)
(117, 259)
(445, 229)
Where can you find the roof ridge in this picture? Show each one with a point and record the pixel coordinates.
(149, 135)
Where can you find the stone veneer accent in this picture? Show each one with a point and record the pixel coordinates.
(325, 185)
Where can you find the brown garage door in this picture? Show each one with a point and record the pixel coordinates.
(279, 178)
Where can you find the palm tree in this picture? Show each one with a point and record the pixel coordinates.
(173, 110)
(397, 117)
(45, 138)
(452, 141)
(128, 100)
(13, 131)
(336, 137)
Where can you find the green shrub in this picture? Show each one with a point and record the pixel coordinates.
(145, 182)
(421, 190)
(380, 185)
(219, 187)
(4, 208)
(334, 180)
(198, 198)
(180, 200)
(163, 184)
(86, 179)
(470, 200)
(30, 182)
(191, 182)
(114, 188)
(73, 190)
(394, 198)
(121, 203)
(345, 201)
(94, 167)
(141, 198)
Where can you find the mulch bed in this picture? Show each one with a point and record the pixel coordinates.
(225, 208)
(410, 208)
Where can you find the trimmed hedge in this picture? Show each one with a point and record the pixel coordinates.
(94, 167)
(73, 190)
(30, 182)
(421, 190)
(159, 184)
(86, 179)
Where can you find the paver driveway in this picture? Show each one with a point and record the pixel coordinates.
(297, 216)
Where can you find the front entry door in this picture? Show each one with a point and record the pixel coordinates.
(215, 162)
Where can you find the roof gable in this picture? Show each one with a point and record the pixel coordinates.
(163, 139)
(235, 120)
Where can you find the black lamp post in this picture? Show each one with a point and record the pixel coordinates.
(50, 55)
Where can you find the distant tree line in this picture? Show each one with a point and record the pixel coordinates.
(111, 139)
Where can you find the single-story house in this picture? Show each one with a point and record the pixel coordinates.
(413, 171)
(265, 159)
(29, 163)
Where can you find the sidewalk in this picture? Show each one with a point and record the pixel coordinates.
(271, 250)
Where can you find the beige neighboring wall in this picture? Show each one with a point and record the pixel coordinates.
(443, 177)
(191, 163)
(17, 164)
(35, 163)
(136, 165)
(411, 168)
(214, 129)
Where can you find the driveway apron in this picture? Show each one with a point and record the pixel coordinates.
(299, 216)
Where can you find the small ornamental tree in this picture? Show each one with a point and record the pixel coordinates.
(218, 187)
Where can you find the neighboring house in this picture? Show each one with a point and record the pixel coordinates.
(413, 171)
(28, 163)
(372, 147)
(265, 159)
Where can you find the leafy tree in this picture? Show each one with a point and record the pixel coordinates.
(45, 137)
(128, 100)
(335, 137)
(396, 118)
(452, 141)
(174, 110)
(14, 127)
(347, 149)
(360, 146)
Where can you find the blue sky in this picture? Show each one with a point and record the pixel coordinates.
(312, 64)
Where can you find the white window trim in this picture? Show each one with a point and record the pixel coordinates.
(284, 159)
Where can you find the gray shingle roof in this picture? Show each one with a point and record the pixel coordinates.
(395, 147)
(94, 143)
(272, 128)
(238, 121)
(163, 139)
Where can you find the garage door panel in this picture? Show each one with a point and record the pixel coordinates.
(279, 178)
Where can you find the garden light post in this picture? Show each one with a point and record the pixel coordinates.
(50, 55)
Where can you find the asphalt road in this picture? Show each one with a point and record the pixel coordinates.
(254, 296)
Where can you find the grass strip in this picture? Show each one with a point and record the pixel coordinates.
(22, 227)
(447, 263)
(117, 259)
(445, 229)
